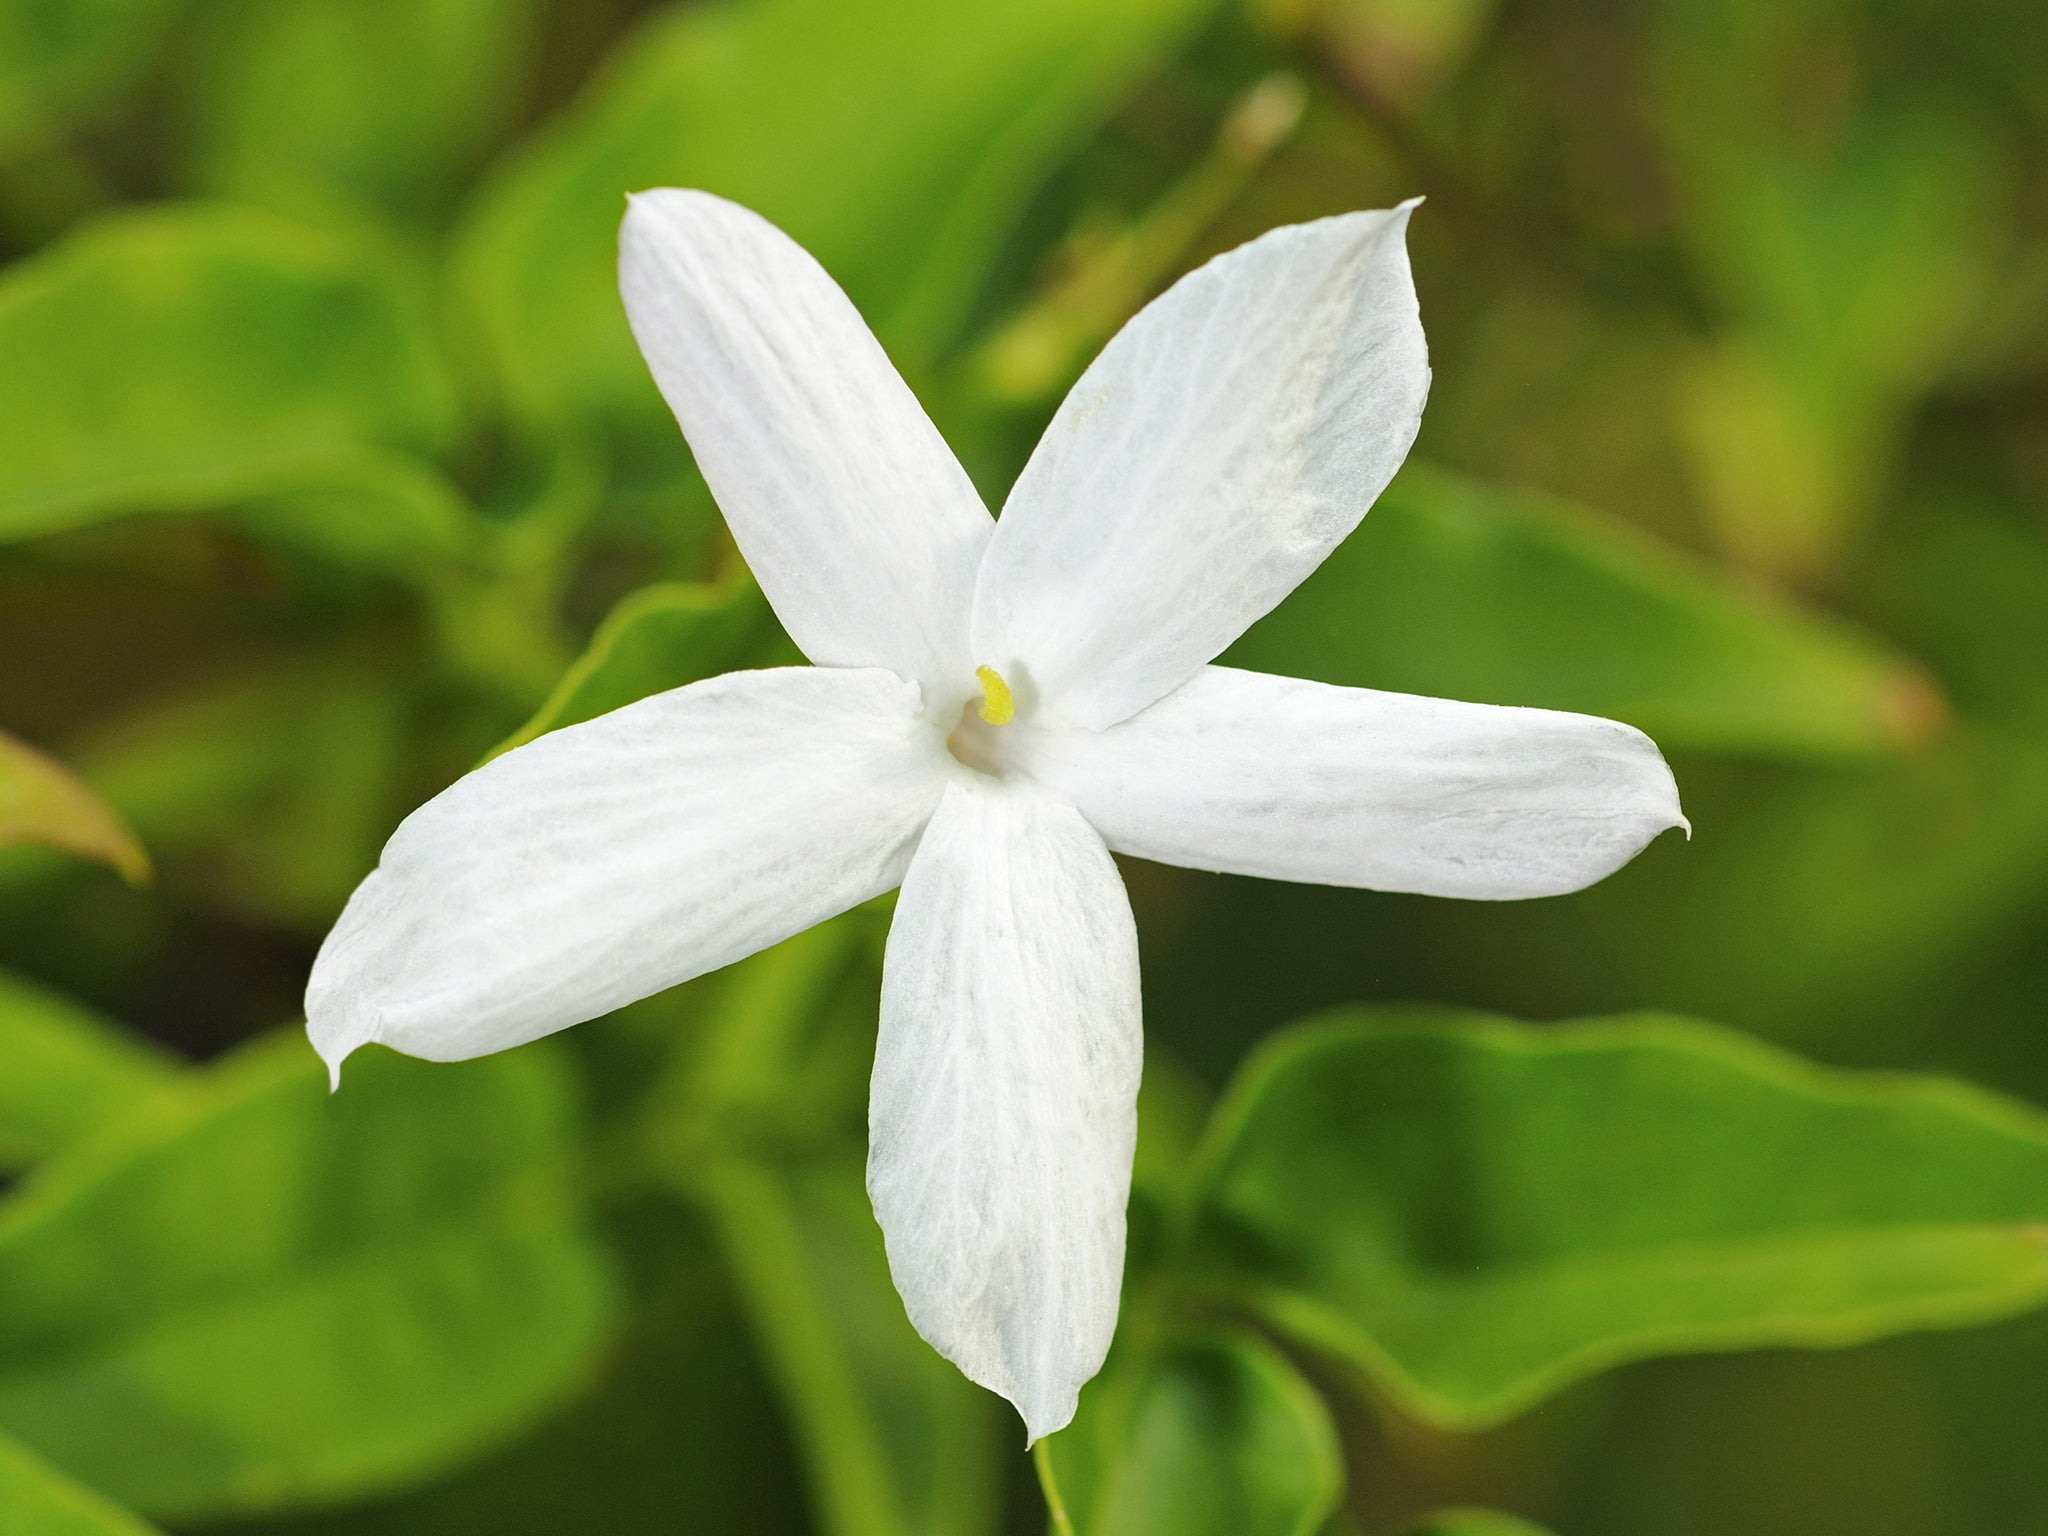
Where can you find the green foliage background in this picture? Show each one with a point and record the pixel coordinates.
(327, 468)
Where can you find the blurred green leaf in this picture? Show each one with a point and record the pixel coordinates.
(1850, 244)
(1965, 580)
(894, 140)
(68, 1073)
(1104, 275)
(1460, 589)
(273, 791)
(384, 102)
(1214, 1435)
(37, 1500)
(758, 1126)
(42, 801)
(57, 56)
(192, 357)
(1829, 909)
(388, 513)
(1477, 1213)
(1474, 1522)
(261, 1296)
(660, 637)
(1401, 49)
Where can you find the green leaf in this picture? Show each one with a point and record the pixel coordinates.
(1215, 1433)
(41, 801)
(894, 140)
(37, 1500)
(1460, 589)
(260, 1296)
(1474, 1522)
(1478, 1213)
(193, 357)
(660, 637)
(57, 56)
(66, 1073)
(387, 102)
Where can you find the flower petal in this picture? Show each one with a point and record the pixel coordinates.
(1257, 775)
(614, 858)
(1224, 442)
(1004, 1106)
(854, 515)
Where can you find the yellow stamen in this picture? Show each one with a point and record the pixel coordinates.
(997, 706)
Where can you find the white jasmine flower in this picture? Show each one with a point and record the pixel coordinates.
(995, 706)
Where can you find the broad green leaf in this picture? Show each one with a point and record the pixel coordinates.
(41, 801)
(1214, 1435)
(189, 358)
(38, 1500)
(1474, 1522)
(758, 1125)
(1460, 589)
(660, 637)
(65, 1073)
(260, 1296)
(57, 56)
(1477, 1213)
(894, 140)
(384, 102)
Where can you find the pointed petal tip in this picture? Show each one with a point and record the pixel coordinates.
(333, 1053)
(334, 1039)
(1037, 1427)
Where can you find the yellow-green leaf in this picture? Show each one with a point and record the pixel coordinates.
(193, 357)
(38, 1500)
(41, 801)
(303, 104)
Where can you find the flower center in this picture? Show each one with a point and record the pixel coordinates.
(997, 705)
(976, 741)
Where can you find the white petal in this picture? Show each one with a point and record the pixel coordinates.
(1257, 775)
(1224, 442)
(1004, 1106)
(857, 520)
(611, 859)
